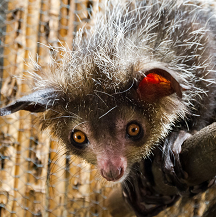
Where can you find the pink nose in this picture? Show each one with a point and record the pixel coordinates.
(112, 174)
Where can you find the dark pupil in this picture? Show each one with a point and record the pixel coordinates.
(79, 137)
(133, 130)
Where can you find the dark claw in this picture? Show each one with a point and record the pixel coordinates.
(171, 166)
(139, 193)
(172, 169)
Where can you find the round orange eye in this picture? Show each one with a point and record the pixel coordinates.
(133, 130)
(79, 137)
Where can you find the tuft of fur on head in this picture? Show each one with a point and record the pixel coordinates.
(107, 59)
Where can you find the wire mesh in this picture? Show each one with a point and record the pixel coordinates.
(37, 178)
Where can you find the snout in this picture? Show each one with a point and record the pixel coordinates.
(112, 169)
(113, 174)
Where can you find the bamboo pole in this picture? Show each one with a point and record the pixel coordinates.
(56, 182)
(71, 25)
(63, 22)
(56, 187)
(73, 196)
(39, 149)
(94, 188)
(99, 191)
(44, 34)
(8, 153)
(54, 22)
(81, 14)
(19, 206)
(36, 190)
(106, 189)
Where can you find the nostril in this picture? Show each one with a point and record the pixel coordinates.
(121, 171)
(112, 174)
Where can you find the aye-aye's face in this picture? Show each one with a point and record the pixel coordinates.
(112, 140)
(113, 131)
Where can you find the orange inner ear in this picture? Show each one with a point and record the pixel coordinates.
(153, 87)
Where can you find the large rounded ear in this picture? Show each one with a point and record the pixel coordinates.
(37, 101)
(156, 84)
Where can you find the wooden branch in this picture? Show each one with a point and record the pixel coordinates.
(199, 155)
(198, 158)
